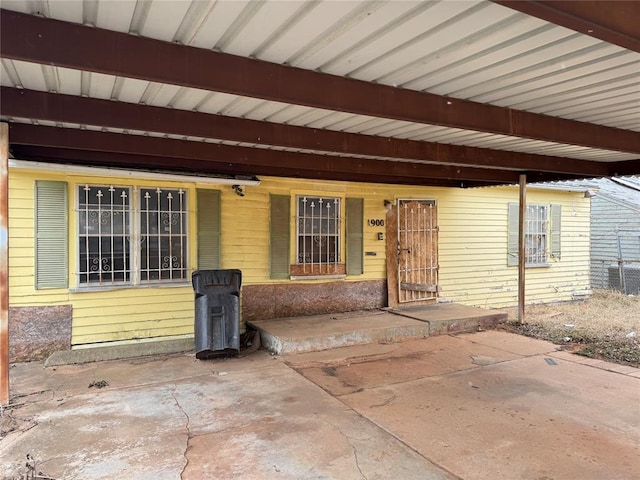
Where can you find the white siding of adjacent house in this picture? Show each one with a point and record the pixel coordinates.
(609, 219)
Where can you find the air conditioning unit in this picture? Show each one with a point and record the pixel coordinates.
(630, 279)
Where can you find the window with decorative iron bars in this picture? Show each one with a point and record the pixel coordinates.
(536, 235)
(318, 231)
(125, 241)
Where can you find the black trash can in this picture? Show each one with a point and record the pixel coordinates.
(217, 312)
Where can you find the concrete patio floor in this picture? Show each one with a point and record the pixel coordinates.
(488, 405)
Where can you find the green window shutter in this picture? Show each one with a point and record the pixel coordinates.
(208, 219)
(280, 229)
(512, 243)
(354, 212)
(556, 215)
(51, 235)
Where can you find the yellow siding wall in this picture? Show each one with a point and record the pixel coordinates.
(98, 316)
(472, 245)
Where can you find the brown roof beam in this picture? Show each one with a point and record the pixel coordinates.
(629, 167)
(613, 21)
(213, 167)
(69, 138)
(54, 107)
(186, 166)
(41, 40)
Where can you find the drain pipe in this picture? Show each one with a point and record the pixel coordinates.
(521, 246)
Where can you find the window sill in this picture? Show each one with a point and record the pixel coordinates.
(317, 277)
(110, 288)
(538, 265)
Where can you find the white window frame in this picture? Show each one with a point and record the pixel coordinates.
(136, 239)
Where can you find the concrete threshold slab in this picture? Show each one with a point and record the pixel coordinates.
(447, 318)
(118, 352)
(321, 332)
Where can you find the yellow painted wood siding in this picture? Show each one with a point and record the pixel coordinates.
(473, 242)
(472, 246)
(125, 313)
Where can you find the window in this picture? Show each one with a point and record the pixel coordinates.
(542, 234)
(124, 241)
(535, 234)
(318, 233)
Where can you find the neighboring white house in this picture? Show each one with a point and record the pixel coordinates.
(615, 232)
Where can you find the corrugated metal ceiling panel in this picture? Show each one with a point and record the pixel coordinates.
(474, 50)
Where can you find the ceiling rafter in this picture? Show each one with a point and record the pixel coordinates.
(619, 26)
(261, 160)
(53, 42)
(127, 116)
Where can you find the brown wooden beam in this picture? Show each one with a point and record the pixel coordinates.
(200, 167)
(53, 107)
(41, 40)
(613, 21)
(628, 167)
(351, 167)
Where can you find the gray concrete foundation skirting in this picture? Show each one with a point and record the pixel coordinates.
(117, 352)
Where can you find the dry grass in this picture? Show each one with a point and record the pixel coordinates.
(605, 326)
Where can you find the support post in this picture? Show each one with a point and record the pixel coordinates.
(521, 246)
(4, 263)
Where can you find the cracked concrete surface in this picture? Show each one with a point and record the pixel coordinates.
(479, 406)
(491, 406)
(180, 418)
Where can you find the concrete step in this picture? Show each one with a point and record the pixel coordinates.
(323, 332)
(449, 318)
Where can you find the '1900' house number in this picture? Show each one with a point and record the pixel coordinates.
(375, 222)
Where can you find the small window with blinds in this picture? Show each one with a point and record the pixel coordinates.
(536, 236)
(542, 234)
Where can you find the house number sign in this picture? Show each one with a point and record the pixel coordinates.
(375, 222)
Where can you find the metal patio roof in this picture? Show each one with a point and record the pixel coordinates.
(424, 92)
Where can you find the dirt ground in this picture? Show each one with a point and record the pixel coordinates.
(606, 326)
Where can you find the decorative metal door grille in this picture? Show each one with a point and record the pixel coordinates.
(417, 250)
(318, 231)
(163, 237)
(103, 228)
